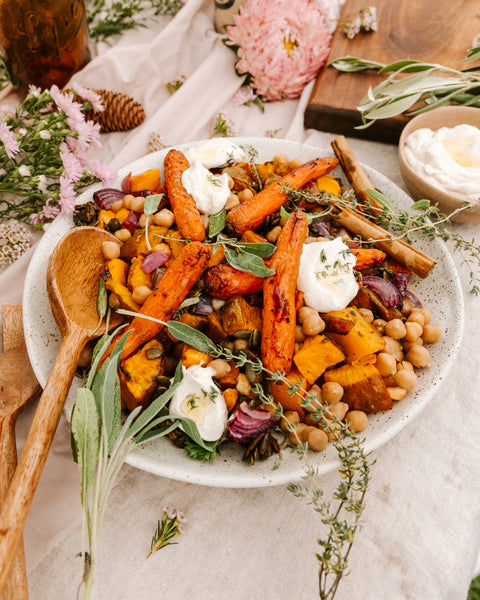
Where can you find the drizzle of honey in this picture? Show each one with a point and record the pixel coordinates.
(460, 155)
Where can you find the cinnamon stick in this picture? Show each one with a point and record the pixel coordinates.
(355, 173)
(412, 258)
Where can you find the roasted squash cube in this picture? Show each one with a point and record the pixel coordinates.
(123, 293)
(281, 392)
(240, 316)
(136, 275)
(192, 356)
(317, 354)
(118, 269)
(364, 388)
(138, 374)
(362, 339)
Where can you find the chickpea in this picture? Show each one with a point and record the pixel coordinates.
(245, 194)
(396, 393)
(339, 410)
(419, 356)
(356, 420)
(217, 304)
(316, 399)
(122, 234)
(137, 204)
(407, 345)
(295, 435)
(163, 248)
(332, 392)
(299, 335)
(393, 347)
(313, 325)
(295, 163)
(305, 311)
(205, 220)
(427, 315)
(317, 440)
(164, 218)
(273, 235)
(145, 219)
(431, 334)
(243, 385)
(395, 329)
(407, 307)
(406, 379)
(417, 316)
(312, 419)
(141, 293)
(404, 364)
(334, 428)
(85, 356)
(413, 331)
(127, 201)
(116, 206)
(290, 419)
(232, 200)
(386, 364)
(367, 314)
(231, 182)
(379, 325)
(240, 344)
(305, 431)
(298, 346)
(114, 301)
(281, 159)
(110, 250)
(220, 366)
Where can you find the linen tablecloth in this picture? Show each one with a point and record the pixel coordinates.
(421, 526)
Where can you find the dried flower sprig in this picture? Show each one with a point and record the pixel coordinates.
(44, 146)
(168, 529)
(364, 21)
(15, 239)
(223, 126)
(426, 86)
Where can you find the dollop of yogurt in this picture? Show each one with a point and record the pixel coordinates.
(326, 275)
(209, 191)
(448, 158)
(200, 399)
(215, 153)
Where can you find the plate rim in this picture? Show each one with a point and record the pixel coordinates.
(273, 477)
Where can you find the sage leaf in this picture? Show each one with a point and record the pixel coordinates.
(216, 223)
(264, 250)
(152, 203)
(420, 205)
(245, 261)
(351, 64)
(191, 430)
(85, 435)
(191, 336)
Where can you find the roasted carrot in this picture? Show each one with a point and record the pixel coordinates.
(225, 281)
(279, 313)
(187, 215)
(368, 257)
(172, 289)
(251, 213)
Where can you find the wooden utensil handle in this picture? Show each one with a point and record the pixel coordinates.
(16, 587)
(34, 454)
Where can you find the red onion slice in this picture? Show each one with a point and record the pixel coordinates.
(153, 261)
(204, 305)
(131, 222)
(413, 299)
(106, 197)
(247, 424)
(387, 291)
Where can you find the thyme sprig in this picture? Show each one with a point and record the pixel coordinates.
(425, 86)
(169, 528)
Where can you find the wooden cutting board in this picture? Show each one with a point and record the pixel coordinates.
(437, 31)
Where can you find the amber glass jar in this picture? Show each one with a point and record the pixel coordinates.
(44, 42)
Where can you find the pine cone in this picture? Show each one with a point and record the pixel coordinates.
(121, 112)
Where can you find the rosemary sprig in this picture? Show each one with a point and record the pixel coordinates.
(169, 528)
(426, 86)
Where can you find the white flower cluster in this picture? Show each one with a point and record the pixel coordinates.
(366, 20)
(15, 239)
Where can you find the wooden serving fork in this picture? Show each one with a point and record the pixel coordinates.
(18, 385)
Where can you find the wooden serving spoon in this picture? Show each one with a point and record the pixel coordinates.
(72, 283)
(18, 385)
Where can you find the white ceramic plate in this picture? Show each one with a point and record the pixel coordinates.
(440, 292)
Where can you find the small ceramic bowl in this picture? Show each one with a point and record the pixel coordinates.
(448, 116)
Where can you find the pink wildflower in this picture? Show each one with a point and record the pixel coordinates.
(65, 102)
(48, 213)
(104, 172)
(67, 195)
(90, 96)
(89, 134)
(72, 166)
(243, 95)
(73, 145)
(9, 141)
(281, 44)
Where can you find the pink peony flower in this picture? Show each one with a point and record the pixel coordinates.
(280, 44)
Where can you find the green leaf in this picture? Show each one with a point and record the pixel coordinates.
(245, 261)
(420, 205)
(392, 108)
(191, 336)
(152, 203)
(351, 64)
(264, 250)
(85, 435)
(191, 430)
(216, 223)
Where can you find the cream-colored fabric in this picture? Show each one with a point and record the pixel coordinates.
(421, 526)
